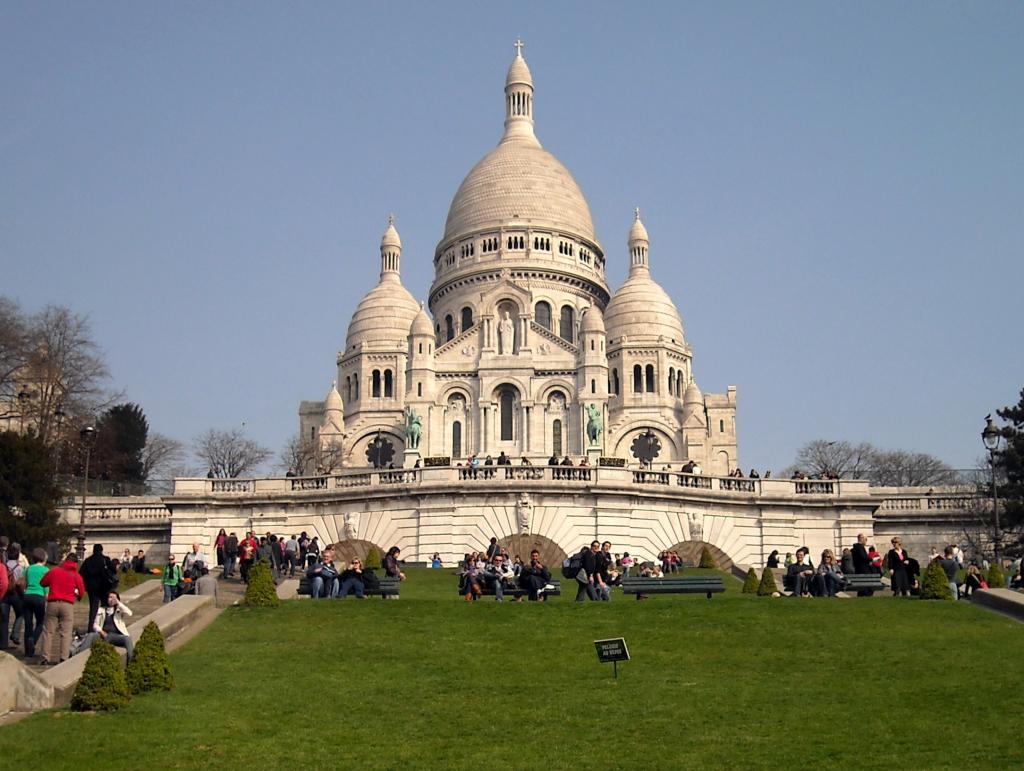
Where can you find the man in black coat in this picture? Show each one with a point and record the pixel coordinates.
(97, 574)
(534, 577)
(587, 576)
(861, 561)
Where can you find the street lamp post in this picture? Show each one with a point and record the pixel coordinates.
(23, 397)
(59, 415)
(991, 436)
(88, 436)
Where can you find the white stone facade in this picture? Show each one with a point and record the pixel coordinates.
(523, 335)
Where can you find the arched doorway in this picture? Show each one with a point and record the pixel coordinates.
(347, 550)
(551, 554)
(690, 552)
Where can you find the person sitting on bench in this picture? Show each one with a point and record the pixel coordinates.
(323, 576)
(352, 580)
(828, 575)
(534, 577)
(801, 574)
(498, 574)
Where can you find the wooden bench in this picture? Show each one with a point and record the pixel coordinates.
(487, 589)
(859, 581)
(388, 586)
(673, 585)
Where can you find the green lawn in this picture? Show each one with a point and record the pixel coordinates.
(433, 681)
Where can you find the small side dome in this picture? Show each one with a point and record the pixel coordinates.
(593, 321)
(421, 325)
(391, 237)
(693, 394)
(519, 73)
(637, 233)
(333, 401)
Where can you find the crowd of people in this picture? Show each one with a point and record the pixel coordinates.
(327, 579)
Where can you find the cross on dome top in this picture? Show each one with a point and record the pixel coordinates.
(519, 46)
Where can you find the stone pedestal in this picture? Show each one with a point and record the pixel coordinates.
(410, 458)
(593, 455)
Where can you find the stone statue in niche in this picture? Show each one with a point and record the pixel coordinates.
(351, 527)
(595, 424)
(506, 334)
(696, 528)
(524, 508)
(413, 428)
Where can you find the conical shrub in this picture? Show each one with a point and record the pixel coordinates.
(752, 582)
(372, 559)
(935, 583)
(261, 590)
(150, 669)
(767, 587)
(995, 578)
(103, 686)
(707, 560)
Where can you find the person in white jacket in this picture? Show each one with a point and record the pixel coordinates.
(110, 626)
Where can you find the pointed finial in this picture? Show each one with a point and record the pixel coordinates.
(334, 385)
(519, 46)
(636, 214)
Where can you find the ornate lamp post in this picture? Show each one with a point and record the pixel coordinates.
(59, 414)
(23, 397)
(991, 436)
(88, 437)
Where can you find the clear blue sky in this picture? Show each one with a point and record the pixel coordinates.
(834, 191)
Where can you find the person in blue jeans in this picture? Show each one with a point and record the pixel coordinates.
(352, 580)
(323, 576)
(171, 579)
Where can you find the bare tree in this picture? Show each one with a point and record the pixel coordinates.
(161, 456)
(229, 453)
(12, 350)
(900, 468)
(839, 458)
(298, 455)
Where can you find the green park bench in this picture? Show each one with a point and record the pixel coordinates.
(673, 585)
(860, 581)
(487, 588)
(388, 586)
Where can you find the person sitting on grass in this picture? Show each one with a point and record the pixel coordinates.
(139, 562)
(801, 574)
(110, 626)
(352, 580)
(534, 577)
(829, 577)
(323, 576)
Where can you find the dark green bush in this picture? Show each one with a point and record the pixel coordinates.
(260, 589)
(935, 583)
(995, 578)
(150, 669)
(751, 584)
(706, 559)
(103, 686)
(767, 586)
(372, 559)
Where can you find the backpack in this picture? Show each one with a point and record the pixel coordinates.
(14, 586)
(572, 566)
(370, 581)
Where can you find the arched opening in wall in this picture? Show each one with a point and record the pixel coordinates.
(507, 407)
(679, 385)
(347, 550)
(566, 324)
(690, 552)
(671, 381)
(348, 388)
(457, 439)
(615, 382)
(638, 379)
(419, 390)
(467, 318)
(650, 378)
(355, 382)
(389, 384)
(375, 384)
(551, 554)
(449, 327)
(593, 386)
(721, 464)
(542, 314)
(556, 438)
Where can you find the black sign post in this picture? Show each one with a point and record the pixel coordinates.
(613, 650)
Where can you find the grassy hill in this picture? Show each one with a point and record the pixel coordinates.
(431, 681)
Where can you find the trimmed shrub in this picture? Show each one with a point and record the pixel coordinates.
(103, 686)
(934, 583)
(751, 584)
(995, 577)
(767, 586)
(260, 590)
(150, 669)
(372, 559)
(706, 560)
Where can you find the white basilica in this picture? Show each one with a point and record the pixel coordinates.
(524, 350)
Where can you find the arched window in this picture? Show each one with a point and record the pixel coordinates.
(375, 384)
(419, 389)
(566, 325)
(671, 380)
(355, 382)
(449, 327)
(556, 437)
(679, 384)
(507, 402)
(542, 313)
(591, 345)
(615, 382)
(650, 378)
(467, 318)
(421, 348)
(389, 384)
(638, 379)
(721, 426)
(593, 386)
(348, 388)
(457, 439)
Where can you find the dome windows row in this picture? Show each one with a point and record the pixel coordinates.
(518, 242)
(645, 380)
(382, 385)
(452, 325)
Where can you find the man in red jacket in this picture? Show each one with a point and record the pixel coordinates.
(66, 588)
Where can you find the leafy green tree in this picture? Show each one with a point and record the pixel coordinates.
(103, 686)
(150, 668)
(28, 492)
(935, 583)
(121, 434)
(767, 587)
(751, 583)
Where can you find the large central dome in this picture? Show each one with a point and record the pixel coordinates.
(519, 183)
